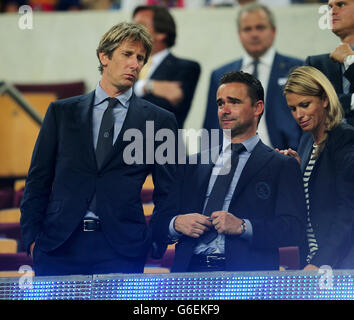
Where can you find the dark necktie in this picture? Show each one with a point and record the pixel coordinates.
(105, 141)
(105, 135)
(349, 85)
(255, 69)
(220, 189)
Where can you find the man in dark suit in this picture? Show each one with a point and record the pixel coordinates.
(338, 65)
(234, 218)
(170, 82)
(81, 209)
(257, 30)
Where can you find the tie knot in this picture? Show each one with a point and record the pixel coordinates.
(112, 102)
(237, 147)
(255, 62)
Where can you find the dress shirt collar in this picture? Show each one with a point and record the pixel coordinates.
(101, 95)
(249, 144)
(266, 59)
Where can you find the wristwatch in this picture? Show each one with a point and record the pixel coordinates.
(243, 227)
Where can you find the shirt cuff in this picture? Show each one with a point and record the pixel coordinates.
(173, 234)
(352, 103)
(248, 234)
(348, 61)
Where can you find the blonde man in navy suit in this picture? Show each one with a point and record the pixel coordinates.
(81, 209)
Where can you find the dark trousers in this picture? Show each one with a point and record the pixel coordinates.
(84, 253)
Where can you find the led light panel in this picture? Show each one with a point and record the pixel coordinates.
(274, 285)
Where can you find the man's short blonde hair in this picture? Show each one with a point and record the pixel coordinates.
(120, 32)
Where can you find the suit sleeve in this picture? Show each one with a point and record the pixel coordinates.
(287, 226)
(170, 208)
(164, 169)
(39, 179)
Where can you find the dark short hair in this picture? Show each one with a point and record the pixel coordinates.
(254, 87)
(163, 22)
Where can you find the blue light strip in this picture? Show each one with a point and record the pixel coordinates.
(283, 285)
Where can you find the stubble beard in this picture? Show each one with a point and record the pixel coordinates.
(239, 128)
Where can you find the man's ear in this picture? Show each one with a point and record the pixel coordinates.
(103, 58)
(160, 36)
(259, 107)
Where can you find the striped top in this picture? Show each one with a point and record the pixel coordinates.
(313, 247)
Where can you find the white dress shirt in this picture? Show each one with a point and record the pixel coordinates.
(264, 69)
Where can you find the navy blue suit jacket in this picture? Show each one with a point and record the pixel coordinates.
(177, 69)
(333, 71)
(331, 191)
(269, 193)
(63, 178)
(283, 130)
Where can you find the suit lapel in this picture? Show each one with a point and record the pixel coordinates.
(164, 68)
(237, 65)
(277, 70)
(258, 159)
(306, 154)
(82, 111)
(202, 173)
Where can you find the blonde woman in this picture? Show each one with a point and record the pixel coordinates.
(326, 155)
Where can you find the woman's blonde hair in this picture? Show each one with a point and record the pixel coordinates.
(309, 81)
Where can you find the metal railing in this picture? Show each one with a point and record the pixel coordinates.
(6, 88)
